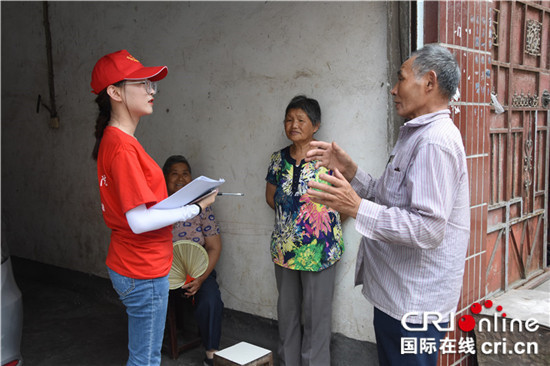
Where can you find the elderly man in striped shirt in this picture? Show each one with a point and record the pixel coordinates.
(415, 218)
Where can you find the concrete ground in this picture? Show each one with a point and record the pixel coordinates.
(72, 318)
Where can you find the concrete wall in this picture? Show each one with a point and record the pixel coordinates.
(233, 67)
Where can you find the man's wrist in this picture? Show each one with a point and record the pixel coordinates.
(350, 173)
(200, 208)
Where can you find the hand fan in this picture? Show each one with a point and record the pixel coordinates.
(190, 261)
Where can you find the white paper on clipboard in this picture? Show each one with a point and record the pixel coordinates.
(198, 187)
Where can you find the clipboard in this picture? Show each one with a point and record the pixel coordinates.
(196, 190)
(202, 196)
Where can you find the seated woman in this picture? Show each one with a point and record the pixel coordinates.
(204, 230)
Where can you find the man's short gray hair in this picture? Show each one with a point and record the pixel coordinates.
(439, 59)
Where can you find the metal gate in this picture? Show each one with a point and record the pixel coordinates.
(519, 144)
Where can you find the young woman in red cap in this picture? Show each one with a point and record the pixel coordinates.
(130, 182)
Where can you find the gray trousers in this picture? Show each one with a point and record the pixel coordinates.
(312, 293)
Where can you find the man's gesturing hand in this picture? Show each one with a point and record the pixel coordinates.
(339, 196)
(332, 157)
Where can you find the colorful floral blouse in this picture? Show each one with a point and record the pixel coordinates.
(196, 228)
(307, 236)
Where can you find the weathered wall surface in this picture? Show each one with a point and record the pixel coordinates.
(233, 67)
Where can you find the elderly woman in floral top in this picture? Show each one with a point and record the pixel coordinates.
(305, 245)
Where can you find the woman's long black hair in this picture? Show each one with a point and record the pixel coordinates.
(104, 103)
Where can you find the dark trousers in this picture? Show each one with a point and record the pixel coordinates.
(208, 312)
(389, 336)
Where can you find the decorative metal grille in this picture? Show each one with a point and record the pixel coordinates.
(533, 37)
(525, 101)
(527, 164)
(494, 26)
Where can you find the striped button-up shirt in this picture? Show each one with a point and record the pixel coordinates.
(415, 222)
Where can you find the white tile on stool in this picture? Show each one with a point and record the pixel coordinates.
(243, 353)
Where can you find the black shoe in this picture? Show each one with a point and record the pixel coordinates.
(208, 361)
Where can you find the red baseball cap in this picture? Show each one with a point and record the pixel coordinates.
(120, 65)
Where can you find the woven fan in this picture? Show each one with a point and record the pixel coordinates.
(190, 261)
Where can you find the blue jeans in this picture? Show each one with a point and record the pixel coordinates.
(146, 302)
(389, 333)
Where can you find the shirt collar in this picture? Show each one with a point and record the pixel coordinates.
(427, 118)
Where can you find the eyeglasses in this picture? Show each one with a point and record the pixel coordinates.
(150, 86)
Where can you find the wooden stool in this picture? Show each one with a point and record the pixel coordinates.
(243, 354)
(172, 325)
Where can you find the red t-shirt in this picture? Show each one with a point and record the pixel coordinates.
(129, 177)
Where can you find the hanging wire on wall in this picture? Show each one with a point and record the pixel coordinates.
(54, 118)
